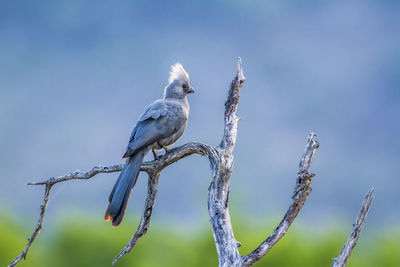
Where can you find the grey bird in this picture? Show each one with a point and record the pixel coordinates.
(160, 126)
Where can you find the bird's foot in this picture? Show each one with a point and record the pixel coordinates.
(166, 149)
(156, 157)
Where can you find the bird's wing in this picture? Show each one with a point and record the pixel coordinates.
(157, 122)
(153, 111)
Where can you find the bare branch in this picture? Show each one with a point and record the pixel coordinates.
(37, 228)
(145, 221)
(301, 192)
(48, 185)
(230, 128)
(154, 169)
(218, 192)
(345, 253)
(77, 175)
(178, 153)
(149, 167)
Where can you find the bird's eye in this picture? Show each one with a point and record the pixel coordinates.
(184, 86)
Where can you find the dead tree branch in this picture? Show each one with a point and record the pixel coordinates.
(221, 164)
(149, 167)
(300, 194)
(48, 185)
(154, 169)
(345, 253)
(145, 221)
(221, 169)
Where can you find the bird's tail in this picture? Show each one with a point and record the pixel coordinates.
(119, 195)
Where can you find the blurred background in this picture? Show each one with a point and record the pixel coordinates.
(75, 76)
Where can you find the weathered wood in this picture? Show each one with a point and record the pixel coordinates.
(153, 168)
(152, 189)
(347, 249)
(218, 192)
(300, 194)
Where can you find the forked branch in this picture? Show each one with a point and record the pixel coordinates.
(154, 169)
(149, 167)
(48, 185)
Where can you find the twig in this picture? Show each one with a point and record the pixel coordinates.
(345, 253)
(37, 228)
(48, 185)
(301, 192)
(77, 175)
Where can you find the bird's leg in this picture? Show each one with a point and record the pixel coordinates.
(164, 147)
(155, 154)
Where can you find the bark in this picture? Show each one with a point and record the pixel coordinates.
(301, 192)
(347, 249)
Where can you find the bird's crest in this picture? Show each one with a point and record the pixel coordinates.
(178, 73)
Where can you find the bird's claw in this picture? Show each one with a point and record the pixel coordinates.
(156, 157)
(166, 149)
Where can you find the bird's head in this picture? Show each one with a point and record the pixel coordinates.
(178, 83)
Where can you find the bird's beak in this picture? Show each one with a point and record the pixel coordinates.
(191, 90)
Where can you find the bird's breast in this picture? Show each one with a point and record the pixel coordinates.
(172, 139)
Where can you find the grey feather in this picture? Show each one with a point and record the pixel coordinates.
(160, 125)
(124, 184)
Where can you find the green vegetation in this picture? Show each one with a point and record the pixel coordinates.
(94, 244)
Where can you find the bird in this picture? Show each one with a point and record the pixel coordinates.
(159, 127)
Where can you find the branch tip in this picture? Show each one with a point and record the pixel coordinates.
(239, 73)
(358, 225)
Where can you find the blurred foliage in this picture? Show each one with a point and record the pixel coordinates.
(89, 243)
